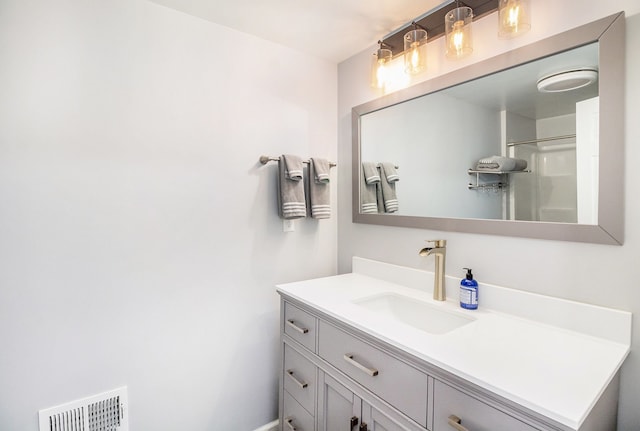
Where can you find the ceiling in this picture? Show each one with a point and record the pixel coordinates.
(515, 89)
(330, 29)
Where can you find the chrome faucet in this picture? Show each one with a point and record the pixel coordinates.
(440, 252)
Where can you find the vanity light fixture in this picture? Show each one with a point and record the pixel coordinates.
(567, 80)
(380, 66)
(452, 19)
(457, 24)
(514, 18)
(415, 49)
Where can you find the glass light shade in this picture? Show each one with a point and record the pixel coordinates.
(457, 26)
(415, 51)
(514, 18)
(380, 68)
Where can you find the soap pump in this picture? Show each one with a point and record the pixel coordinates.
(469, 291)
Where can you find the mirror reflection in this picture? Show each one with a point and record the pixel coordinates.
(508, 146)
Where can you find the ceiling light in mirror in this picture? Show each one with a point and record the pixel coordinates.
(458, 32)
(568, 80)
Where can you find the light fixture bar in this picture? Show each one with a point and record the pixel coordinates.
(433, 21)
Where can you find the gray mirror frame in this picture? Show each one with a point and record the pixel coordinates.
(610, 33)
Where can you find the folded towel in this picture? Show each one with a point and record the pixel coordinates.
(368, 197)
(371, 174)
(319, 188)
(499, 163)
(390, 172)
(388, 189)
(291, 198)
(293, 167)
(321, 167)
(379, 197)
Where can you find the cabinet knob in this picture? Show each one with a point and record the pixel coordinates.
(455, 422)
(363, 426)
(354, 422)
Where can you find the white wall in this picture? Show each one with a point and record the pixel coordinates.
(591, 273)
(139, 238)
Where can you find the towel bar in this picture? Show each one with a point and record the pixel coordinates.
(266, 159)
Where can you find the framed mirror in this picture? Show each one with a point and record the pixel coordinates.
(529, 143)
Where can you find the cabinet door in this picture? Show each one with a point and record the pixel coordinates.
(338, 408)
(378, 421)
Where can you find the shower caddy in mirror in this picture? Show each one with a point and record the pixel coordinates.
(501, 184)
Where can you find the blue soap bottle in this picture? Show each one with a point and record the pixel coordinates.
(469, 292)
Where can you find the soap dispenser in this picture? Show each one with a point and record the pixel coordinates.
(469, 292)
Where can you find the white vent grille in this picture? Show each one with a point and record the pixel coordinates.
(102, 412)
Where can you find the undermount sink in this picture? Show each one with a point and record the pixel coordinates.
(413, 312)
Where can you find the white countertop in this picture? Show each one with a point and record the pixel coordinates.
(557, 372)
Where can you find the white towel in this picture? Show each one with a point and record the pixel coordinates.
(499, 163)
(368, 192)
(291, 197)
(319, 193)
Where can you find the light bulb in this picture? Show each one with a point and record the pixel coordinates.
(415, 51)
(458, 36)
(379, 68)
(513, 18)
(457, 24)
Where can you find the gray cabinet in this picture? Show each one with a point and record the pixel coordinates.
(341, 409)
(336, 378)
(400, 384)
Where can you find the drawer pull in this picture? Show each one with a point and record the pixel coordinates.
(289, 422)
(296, 327)
(298, 382)
(370, 371)
(455, 421)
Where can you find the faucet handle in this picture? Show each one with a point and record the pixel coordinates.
(439, 243)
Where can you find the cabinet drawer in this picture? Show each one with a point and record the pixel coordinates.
(401, 385)
(300, 325)
(473, 413)
(295, 416)
(300, 378)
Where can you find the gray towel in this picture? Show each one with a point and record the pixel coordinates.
(368, 193)
(291, 200)
(319, 195)
(321, 167)
(499, 163)
(389, 187)
(371, 174)
(390, 172)
(293, 167)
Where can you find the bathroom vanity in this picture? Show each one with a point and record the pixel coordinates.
(372, 350)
